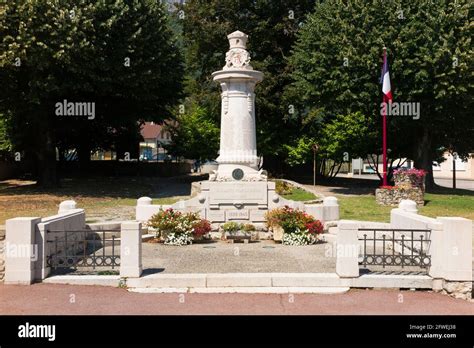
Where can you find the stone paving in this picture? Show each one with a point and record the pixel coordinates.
(53, 299)
(223, 257)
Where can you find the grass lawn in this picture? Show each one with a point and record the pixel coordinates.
(96, 195)
(363, 207)
(116, 196)
(298, 194)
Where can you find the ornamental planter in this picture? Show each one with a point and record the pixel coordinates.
(409, 180)
(409, 184)
(238, 236)
(393, 196)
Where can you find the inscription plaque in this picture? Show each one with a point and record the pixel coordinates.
(231, 192)
(237, 214)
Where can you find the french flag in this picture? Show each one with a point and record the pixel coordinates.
(385, 80)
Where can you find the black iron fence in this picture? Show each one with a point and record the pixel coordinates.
(395, 247)
(83, 249)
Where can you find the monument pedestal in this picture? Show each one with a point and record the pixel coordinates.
(244, 202)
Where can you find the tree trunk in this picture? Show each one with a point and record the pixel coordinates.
(46, 156)
(84, 153)
(423, 158)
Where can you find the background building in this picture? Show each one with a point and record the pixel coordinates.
(154, 136)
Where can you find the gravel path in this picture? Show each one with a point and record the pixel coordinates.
(222, 257)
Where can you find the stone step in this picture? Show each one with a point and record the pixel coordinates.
(328, 237)
(333, 230)
(247, 290)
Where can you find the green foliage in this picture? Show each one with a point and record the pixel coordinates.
(5, 143)
(300, 152)
(169, 220)
(336, 67)
(293, 221)
(283, 187)
(232, 226)
(347, 133)
(445, 202)
(248, 228)
(300, 195)
(271, 26)
(178, 228)
(79, 51)
(193, 136)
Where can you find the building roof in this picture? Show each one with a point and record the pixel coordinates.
(151, 130)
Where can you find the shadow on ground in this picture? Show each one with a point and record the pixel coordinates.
(357, 186)
(97, 187)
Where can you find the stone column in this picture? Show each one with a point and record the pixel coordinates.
(238, 144)
(347, 250)
(21, 251)
(452, 250)
(131, 249)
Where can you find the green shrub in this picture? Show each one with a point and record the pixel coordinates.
(299, 228)
(283, 187)
(232, 226)
(249, 228)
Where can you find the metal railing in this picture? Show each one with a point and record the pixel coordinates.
(395, 247)
(85, 249)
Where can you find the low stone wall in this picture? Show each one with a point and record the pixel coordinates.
(392, 197)
(30, 240)
(448, 242)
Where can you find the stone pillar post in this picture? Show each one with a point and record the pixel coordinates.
(21, 251)
(347, 250)
(451, 252)
(131, 249)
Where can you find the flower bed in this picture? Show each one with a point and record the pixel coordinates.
(409, 184)
(407, 178)
(176, 228)
(299, 228)
(237, 231)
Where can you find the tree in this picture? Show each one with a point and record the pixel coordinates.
(342, 138)
(272, 27)
(336, 64)
(5, 143)
(119, 55)
(193, 136)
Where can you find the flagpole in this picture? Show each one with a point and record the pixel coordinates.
(384, 131)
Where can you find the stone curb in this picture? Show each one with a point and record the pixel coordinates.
(249, 281)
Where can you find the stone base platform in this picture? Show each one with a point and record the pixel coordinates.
(239, 201)
(392, 197)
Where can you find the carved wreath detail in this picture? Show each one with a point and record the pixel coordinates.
(237, 58)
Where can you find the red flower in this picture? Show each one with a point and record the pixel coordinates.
(201, 227)
(388, 187)
(314, 227)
